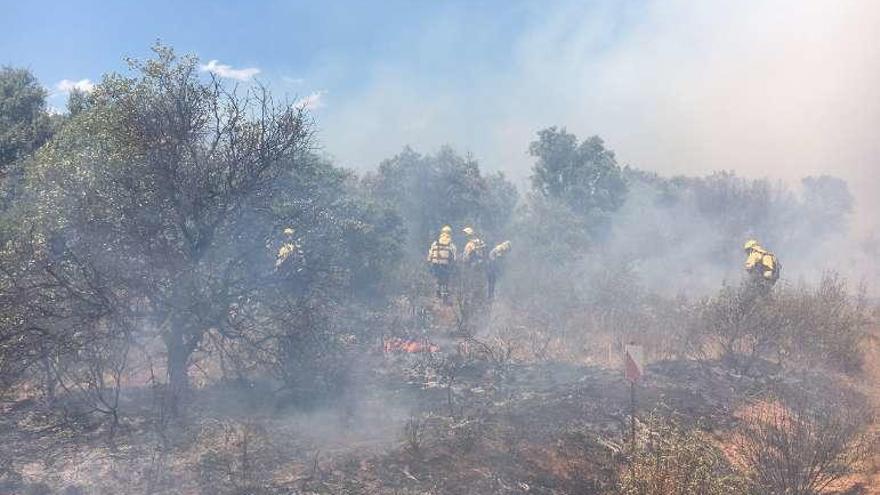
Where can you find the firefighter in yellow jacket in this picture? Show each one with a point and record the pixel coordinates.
(475, 250)
(289, 253)
(761, 266)
(441, 257)
(495, 264)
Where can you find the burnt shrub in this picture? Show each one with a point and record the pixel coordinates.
(802, 445)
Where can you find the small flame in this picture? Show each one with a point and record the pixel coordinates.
(409, 346)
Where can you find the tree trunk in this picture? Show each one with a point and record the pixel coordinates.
(50, 382)
(178, 364)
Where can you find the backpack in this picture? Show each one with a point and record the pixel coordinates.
(441, 254)
(478, 251)
(777, 267)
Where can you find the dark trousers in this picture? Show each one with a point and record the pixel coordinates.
(491, 277)
(442, 273)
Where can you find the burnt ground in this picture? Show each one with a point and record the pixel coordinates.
(500, 427)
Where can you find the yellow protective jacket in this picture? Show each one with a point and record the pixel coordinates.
(474, 250)
(286, 251)
(442, 251)
(763, 262)
(499, 251)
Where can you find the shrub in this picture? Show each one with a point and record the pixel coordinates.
(827, 325)
(678, 462)
(821, 326)
(801, 446)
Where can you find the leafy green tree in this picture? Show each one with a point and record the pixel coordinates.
(24, 122)
(585, 176)
(429, 191)
(77, 101)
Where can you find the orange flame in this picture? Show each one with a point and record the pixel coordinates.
(409, 346)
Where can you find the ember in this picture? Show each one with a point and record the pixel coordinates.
(410, 346)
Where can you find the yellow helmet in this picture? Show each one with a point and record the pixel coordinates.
(468, 231)
(288, 231)
(750, 244)
(446, 230)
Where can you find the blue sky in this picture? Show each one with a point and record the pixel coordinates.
(338, 45)
(337, 52)
(778, 88)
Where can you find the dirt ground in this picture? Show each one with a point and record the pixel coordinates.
(481, 426)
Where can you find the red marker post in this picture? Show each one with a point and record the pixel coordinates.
(633, 369)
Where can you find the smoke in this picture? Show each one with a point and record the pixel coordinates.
(684, 236)
(779, 89)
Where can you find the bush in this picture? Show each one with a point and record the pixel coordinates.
(740, 327)
(803, 326)
(827, 325)
(678, 462)
(802, 445)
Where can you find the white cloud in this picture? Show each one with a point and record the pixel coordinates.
(312, 101)
(227, 71)
(293, 80)
(66, 85)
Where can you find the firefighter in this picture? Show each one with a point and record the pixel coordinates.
(475, 250)
(289, 249)
(761, 266)
(441, 257)
(494, 265)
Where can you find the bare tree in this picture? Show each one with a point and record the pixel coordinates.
(801, 445)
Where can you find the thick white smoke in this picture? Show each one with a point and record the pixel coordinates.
(778, 89)
(781, 89)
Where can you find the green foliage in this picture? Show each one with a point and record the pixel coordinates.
(576, 186)
(797, 326)
(585, 176)
(558, 234)
(827, 324)
(24, 123)
(171, 193)
(742, 207)
(575, 189)
(77, 102)
(432, 190)
(676, 461)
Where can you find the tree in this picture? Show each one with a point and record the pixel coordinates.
(585, 176)
(24, 122)
(77, 101)
(445, 188)
(828, 203)
(707, 219)
(173, 193)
